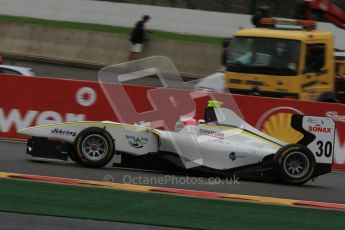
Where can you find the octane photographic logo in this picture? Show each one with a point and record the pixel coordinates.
(86, 96)
(168, 103)
(172, 180)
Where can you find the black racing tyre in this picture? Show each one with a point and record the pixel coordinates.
(72, 154)
(294, 164)
(94, 148)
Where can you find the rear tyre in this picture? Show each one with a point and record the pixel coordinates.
(94, 148)
(294, 164)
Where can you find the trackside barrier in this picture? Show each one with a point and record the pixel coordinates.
(28, 101)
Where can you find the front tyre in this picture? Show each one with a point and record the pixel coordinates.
(294, 164)
(94, 148)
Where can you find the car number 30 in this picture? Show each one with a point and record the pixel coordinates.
(324, 149)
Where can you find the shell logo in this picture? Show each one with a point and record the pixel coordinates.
(86, 96)
(276, 123)
(278, 126)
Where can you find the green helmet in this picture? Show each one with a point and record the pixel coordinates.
(215, 104)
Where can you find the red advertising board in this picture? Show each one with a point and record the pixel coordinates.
(28, 101)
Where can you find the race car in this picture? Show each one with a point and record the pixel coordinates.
(223, 143)
(17, 70)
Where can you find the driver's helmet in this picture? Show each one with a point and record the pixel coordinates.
(210, 115)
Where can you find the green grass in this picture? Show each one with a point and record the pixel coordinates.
(158, 209)
(110, 29)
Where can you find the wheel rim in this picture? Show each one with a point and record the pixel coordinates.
(94, 147)
(296, 164)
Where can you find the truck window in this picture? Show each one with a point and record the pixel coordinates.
(315, 58)
(258, 55)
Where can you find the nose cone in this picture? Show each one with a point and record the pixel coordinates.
(25, 131)
(30, 131)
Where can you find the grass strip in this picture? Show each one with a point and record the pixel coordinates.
(157, 209)
(110, 29)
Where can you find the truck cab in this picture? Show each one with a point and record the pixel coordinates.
(283, 63)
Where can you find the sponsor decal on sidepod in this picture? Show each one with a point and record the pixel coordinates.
(63, 132)
(136, 142)
(212, 133)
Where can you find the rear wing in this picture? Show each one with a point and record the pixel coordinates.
(318, 136)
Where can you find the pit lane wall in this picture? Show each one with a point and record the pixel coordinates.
(28, 101)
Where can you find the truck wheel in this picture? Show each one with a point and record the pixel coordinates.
(294, 164)
(94, 147)
(329, 97)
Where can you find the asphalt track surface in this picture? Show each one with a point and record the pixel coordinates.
(326, 188)
(17, 221)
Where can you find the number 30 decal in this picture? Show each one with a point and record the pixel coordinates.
(324, 148)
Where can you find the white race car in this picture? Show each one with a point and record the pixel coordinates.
(17, 70)
(223, 144)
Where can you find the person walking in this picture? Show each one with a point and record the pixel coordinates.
(138, 37)
(263, 12)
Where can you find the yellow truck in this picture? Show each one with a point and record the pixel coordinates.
(285, 62)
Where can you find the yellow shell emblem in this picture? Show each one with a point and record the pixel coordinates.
(279, 126)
